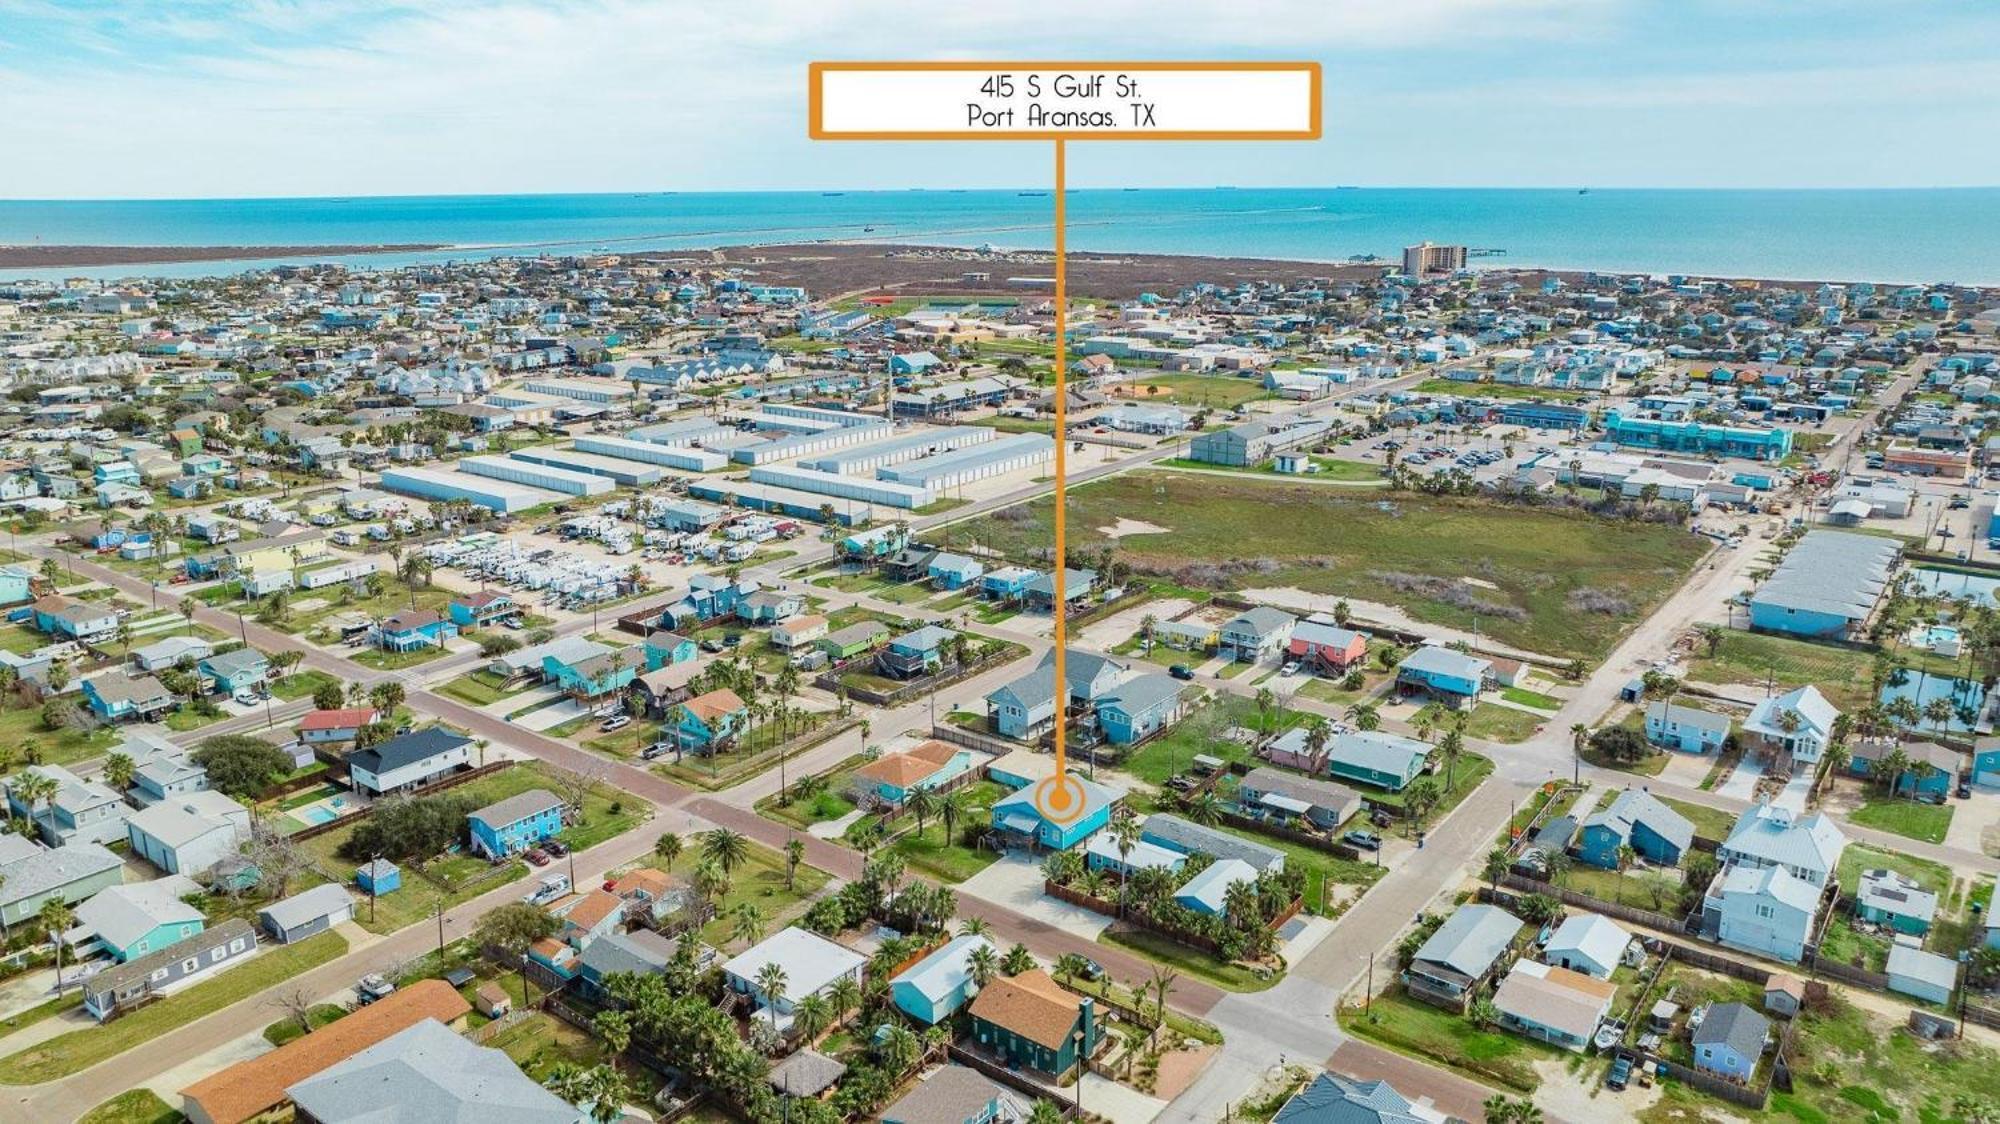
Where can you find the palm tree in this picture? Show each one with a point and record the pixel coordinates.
(812, 1016)
(614, 1029)
(900, 1050)
(771, 981)
(725, 848)
(1017, 960)
(608, 1091)
(1069, 966)
(1451, 749)
(668, 848)
(1363, 716)
(566, 1080)
(923, 804)
(35, 788)
(975, 927)
(709, 881)
(1938, 711)
(843, 996)
(56, 917)
(1125, 834)
(795, 853)
(119, 770)
(951, 808)
(982, 964)
(187, 607)
(747, 923)
(1163, 985)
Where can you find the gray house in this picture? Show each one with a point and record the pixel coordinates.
(1286, 795)
(1256, 633)
(136, 981)
(307, 913)
(1190, 838)
(1459, 957)
(427, 1072)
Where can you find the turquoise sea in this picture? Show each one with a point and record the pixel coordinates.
(1916, 235)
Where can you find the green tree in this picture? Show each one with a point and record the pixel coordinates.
(513, 928)
(668, 848)
(240, 765)
(725, 848)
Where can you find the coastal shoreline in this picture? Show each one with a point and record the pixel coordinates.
(20, 256)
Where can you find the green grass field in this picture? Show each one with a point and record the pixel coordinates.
(1933, 876)
(301, 684)
(1912, 818)
(1440, 1037)
(135, 1106)
(1495, 390)
(1215, 392)
(1841, 674)
(1192, 961)
(78, 1050)
(759, 879)
(480, 688)
(951, 860)
(1541, 570)
(1199, 733)
(1709, 823)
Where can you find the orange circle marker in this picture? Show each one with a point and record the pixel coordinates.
(1060, 799)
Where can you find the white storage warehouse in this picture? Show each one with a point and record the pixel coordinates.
(671, 456)
(994, 458)
(537, 476)
(782, 501)
(631, 474)
(892, 450)
(815, 413)
(689, 432)
(600, 391)
(844, 487)
(766, 422)
(805, 444)
(437, 484)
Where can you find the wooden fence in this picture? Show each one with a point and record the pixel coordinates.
(830, 681)
(973, 739)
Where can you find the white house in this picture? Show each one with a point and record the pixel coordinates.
(1799, 722)
(1766, 835)
(1589, 943)
(1765, 910)
(409, 760)
(811, 964)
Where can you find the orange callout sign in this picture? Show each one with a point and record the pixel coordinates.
(1214, 101)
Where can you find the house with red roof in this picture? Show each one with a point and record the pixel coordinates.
(344, 725)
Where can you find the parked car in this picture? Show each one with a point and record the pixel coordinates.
(1964, 790)
(1291, 668)
(616, 722)
(1181, 671)
(536, 856)
(555, 847)
(656, 750)
(711, 644)
(246, 696)
(1365, 840)
(373, 986)
(1621, 1073)
(1092, 970)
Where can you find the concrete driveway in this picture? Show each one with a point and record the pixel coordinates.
(1016, 882)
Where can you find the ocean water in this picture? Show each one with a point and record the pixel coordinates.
(1916, 235)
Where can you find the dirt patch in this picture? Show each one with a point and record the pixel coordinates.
(1125, 527)
(1179, 1068)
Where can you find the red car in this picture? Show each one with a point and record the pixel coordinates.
(536, 855)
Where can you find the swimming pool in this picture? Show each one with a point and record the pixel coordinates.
(315, 815)
(1952, 584)
(1963, 694)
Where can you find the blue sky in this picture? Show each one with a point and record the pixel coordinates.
(233, 98)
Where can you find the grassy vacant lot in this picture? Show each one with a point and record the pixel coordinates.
(830, 803)
(1192, 961)
(1555, 582)
(78, 1050)
(1709, 823)
(1912, 818)
(382, 660)
(1841, 674)
(1932, 876)
(137, 1106)
(1861, 1066)
(481, 688)
(1502, 723)
(1218, 392)
(301, 684)
(1442, 1038)
(23, 726)
(760, 880)
(1201, 733)
(1496, 390)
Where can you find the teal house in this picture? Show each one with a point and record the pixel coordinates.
(236, 670)
(593, 679)
(664, 648)
(1030, 1022)
(934, 988)
(894, 777)
(1017, 819)
(709, 720)
(128, 921)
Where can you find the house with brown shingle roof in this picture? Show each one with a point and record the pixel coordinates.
(1030, 1020)
(893, 777)
(255, 1086)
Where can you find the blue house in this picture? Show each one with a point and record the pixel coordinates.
(893, 777)
(917, 652)
(1932, 773)
(237, 670)
(934, 988)
(954, 571)
(1636, 819)
(1139, 708)
(115, 695)
(483, 609)
(1729, 1041)
(1017, 818)
(912, 363)
(516, 823)
(116, 472)
(17, 584)
(378, 877)
(664, 648)
(1443, 673)
(1986, 760)
(708, 720)
(188, 487)
(1007, 583)
(409, 630)
(589, 681)
(1207, 893)
(1889, 898)
(1685, 728)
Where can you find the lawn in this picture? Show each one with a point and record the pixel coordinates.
(382, 660)
(1495, 390)
(1912, 818)
(1536, 568)
(1536, 699)
(1330, 690)
(1321, 868)
(1502, 723)
(1858, 1066)
(1639, 887)
(1709, 823)
(287, 1028)
(1193, 391)
(752, 755)
(929, 852)
(759, 879)
(1842, 674)
(1188, 960)
(628, 742)
(21, 727)
(301, 684)
(1201, 733)
(134, 1106)
(1440, 1037)
(78, 1050)
(481, 688)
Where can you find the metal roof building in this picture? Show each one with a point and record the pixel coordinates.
(908, 446)
(993, 458)
(645, 452)
(1827, 585)
(537, 476)
(886, 493)
(437, 484)
(631, 474)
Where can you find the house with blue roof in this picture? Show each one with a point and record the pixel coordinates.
(1006, 583)
(1444, 674)
(240, 669)
(1190, 838)
(593, 681)
(934, 988)
(953, 571)
(1635, 819)
(1017, 819)
(1685, 728)
(915, 653)
(1207, 893)
(1766, 910)
(1333, 1099)
(664, 648)
(132, 919)
(410, 630)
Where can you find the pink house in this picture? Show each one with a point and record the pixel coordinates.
(1326, 646)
